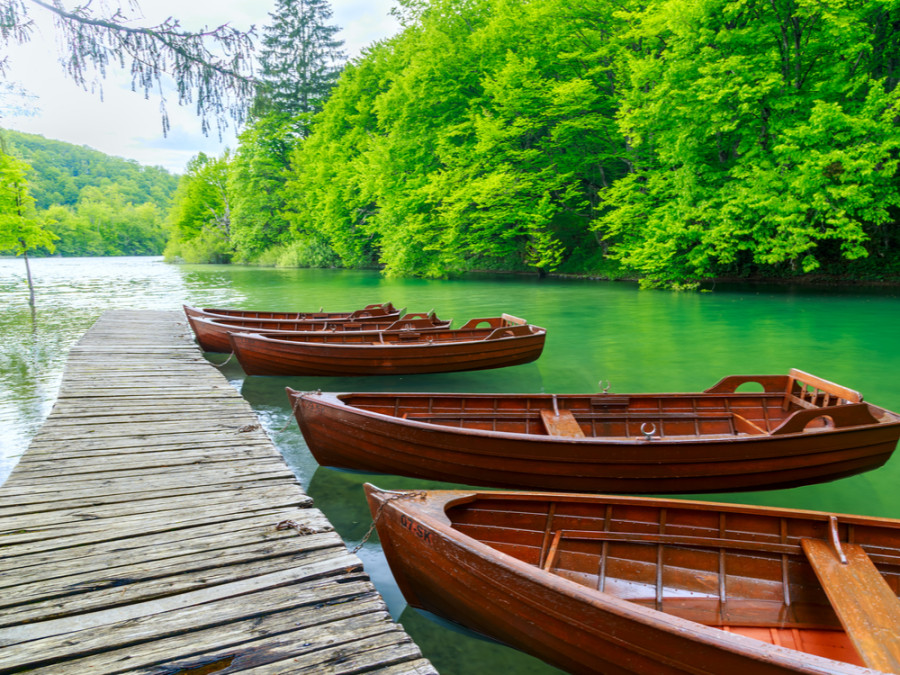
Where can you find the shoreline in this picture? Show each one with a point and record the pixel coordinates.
(808, 281)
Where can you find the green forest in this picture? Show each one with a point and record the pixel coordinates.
(90, 203)
(673, 141)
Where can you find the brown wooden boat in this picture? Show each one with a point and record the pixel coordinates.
(479, 344)
(600, 584)
(212, 334)
(800, 430)
(378, 312)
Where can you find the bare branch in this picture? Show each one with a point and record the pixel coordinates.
(210, 67)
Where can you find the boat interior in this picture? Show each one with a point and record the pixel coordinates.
(475, 330)
(376, 310)
(413, 321)
(787, 404)
(769, 577)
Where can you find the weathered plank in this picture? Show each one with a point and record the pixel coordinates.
(106, 590)
(27, 539)
(43, 502)
(69, 520)
(138, 504)
(344, 597)
(318, 566)
(182, 441)
(132, 462)
(150, 545)
(214, 452)
(137, 479)
(129, 563)
(140, 533)
(360, 655)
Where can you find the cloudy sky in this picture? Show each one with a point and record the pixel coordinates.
(122, 123)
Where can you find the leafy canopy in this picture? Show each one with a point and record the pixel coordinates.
(20, 231)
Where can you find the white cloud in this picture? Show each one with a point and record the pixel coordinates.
(122, 122)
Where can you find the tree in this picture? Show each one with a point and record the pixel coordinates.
(479, 138)
(123, 227)
(20, 231)
(200, 218)
(61, 171)
(300, 60)
(256, 181)
(210, 67)
(764, 138)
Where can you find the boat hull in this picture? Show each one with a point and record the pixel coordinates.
(344, 436)
(272, 357)
(566, 624)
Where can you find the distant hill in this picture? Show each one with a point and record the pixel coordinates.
(62, 170)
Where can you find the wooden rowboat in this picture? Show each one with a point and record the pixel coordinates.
(377, 312)
(799, 430)
(599, 584)
(479, 344)
(212, 334)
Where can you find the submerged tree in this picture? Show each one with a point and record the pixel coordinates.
(20, 230)
(209, 67)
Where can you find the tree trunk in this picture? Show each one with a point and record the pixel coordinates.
(28, 274)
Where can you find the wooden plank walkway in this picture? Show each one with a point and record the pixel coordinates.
(139, 533)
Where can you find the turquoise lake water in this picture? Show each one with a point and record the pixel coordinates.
(636, 341)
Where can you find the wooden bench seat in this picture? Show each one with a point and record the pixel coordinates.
(866, 606)
(811, 392)
(561, 423)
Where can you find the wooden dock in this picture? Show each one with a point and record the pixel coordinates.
(140, 532)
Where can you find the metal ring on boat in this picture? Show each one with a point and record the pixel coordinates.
(648, 433)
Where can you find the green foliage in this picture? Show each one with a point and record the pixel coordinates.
(324, 192)
(761, 131)
(256, 177)
(92, 203)
(62, 170)
(677, 140)
(104, 223)
(20, 229)
(309, 251)
(481, 135)
(300, 61)
(200, 218)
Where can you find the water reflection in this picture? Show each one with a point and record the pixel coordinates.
(71, 293)
(451, 655)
